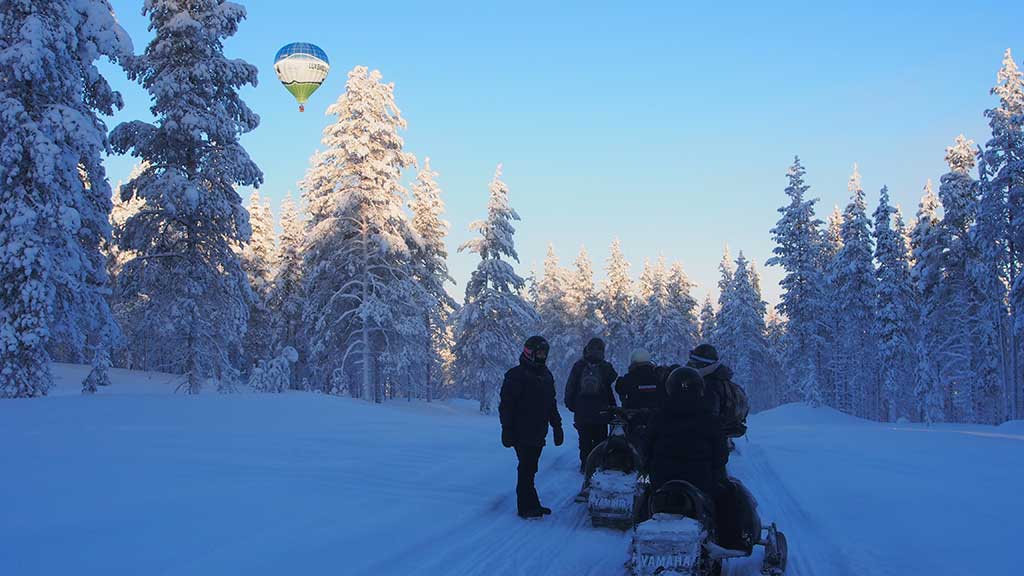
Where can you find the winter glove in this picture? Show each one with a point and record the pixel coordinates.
(507, 438)
(559, 436)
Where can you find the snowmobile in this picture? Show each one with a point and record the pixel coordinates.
(687, 533)
(613, 469)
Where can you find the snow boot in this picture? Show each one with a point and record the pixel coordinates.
(528, 514)
(545, 510)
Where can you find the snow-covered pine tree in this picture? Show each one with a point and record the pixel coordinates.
(1004, 164)
(741, 323)
(54, 194)
(583, 305)
(549, 300)
(432, 256)
(797, 237)
(707, 320)
(681, 313)
(287, 298)
(196, 295)
(894, 311)
(854, 294)
(495, 319)
(259, 257)
(926, 240)
(617, 307)
(360, 283)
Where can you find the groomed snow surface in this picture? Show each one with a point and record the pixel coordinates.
(138, 480)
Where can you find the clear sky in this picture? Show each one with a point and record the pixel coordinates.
(668, 125)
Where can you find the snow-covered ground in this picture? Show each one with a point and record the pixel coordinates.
(137, 480)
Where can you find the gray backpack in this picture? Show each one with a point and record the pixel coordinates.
(591, 382)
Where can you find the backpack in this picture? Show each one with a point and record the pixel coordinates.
(591, 380)
(734, 409)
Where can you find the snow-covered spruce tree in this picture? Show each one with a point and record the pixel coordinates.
(831, 244)
(1004, 165)
(854, 294)
(617, 307)
(259, 262)
(720, 338)
(741, 323)
(286, 298)
(927, 245)
(988, 273)
(122, 210)
(781, 389)
(432, 257)
(797, 237)
(582, 304)
(549, 301)
(274, 375)
(495, 319)
(707, 320)
(54, 194)
(974, 378)
(652, 309)
(894, 311)
(905, 402)
(117, 256)
(681, 313)
(360, 282)
(194, 297)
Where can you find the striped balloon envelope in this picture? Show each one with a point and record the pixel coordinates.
(302, 68)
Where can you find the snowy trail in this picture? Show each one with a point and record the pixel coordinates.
(497, 541)
(810, 551)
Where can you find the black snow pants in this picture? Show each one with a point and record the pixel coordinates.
(526, 492)
(590, 436)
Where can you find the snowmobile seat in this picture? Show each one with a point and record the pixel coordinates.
(620, 455)
(737, 520)
(684, 499)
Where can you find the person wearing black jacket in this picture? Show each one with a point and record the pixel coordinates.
(588, 393)
(704, 359)
(682, 437)
(641, 388)
(527, 408)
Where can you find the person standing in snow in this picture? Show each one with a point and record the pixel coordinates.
(641, 388)
(588, 395)
(528, 406)
(719, 388)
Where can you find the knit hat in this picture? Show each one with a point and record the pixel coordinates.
(639, 356)
(704, 354)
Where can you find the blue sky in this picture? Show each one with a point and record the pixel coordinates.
(667, 125)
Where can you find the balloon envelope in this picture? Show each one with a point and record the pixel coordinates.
(302, 68)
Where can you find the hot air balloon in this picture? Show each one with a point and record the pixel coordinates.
(302, 68)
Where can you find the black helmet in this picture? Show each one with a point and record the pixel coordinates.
(535, 351)
(594, 350)
(703, 355)
(685, 386)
